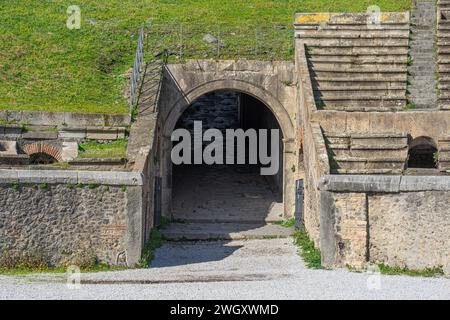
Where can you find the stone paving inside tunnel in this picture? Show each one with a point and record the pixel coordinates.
(224, 193)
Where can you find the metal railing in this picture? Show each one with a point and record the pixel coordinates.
(174, 42)
(137, 68)
(220, 42)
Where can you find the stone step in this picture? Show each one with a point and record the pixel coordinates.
(369, 171)
(363, 107)
(359, 85)
(358, 60)
(349, 67)
(424, 58)
(357, 51)
(422, 67)
(223, 231)
(352, 26)
(352, 34)
(374, 94)
(419, 106)
(360, 42)
(363, 97)
(359, 76)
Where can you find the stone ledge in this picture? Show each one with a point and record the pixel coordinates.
(372, 183)
(425, 183)
(67, 118)
(349, 18)
(73, 177)
(360, 183)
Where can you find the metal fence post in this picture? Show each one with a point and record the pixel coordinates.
(181, 41)
(218, 43)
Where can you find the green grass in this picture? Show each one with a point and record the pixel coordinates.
(149, 250)
(45, 66)
(307, 250)
(286, 223)
(428, 272)
(36, 262)
(94, 149)
(24, 271)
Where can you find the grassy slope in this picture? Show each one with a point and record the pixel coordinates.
(45, 66)
(93, 149)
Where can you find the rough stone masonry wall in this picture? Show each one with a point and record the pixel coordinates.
(315, 157)
(62, 214)
(60, 221)
(398, 221)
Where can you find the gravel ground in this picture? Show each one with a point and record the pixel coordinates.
(253, 269)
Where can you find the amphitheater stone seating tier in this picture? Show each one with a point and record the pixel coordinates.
(356, 66)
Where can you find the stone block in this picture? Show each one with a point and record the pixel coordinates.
(83, 119)
(72, 133)
(425, 183)
(101, 133)
(117, 120)
(8, 147)
(360, 183)
(121, 133)
(69, 151)
(40, 135)
(110, 178)
(12, 131)
(15, 115)
(47, 176)
(8, 176)
(14, 159)
(42, 118)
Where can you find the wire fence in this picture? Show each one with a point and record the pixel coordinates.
(219, 42)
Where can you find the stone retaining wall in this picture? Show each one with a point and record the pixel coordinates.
(70, 119)
(62, 213)
(396, 220)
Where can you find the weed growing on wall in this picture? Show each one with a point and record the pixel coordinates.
(307, 250)
(428, 272)
(148, 254)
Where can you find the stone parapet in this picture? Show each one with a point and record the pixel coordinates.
(395, 220)
(113, 178)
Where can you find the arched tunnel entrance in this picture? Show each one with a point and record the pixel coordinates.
(229, 191)
(224, 192)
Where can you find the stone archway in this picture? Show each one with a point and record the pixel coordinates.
(271, 102)
(422, 153)
(42, 148)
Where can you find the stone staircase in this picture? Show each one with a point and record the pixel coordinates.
(422, 78)
(196, 231)
(444, 154)
(355, 66)
(443, 53)
(367, 153)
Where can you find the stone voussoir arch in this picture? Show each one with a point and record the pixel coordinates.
(254, 90)
(189, 95)
(45, 148)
